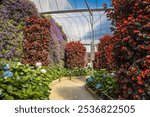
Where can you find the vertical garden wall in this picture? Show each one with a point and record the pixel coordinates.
(132, 49)
(57, 43)
(36, 41)
(127, 51)
(12, 14)
(104, 58)
(12, 21)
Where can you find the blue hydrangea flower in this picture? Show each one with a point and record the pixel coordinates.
(90, 79)
(98, 86)
(7, 66)
(104, 75)
(8, 74)
(112, 75)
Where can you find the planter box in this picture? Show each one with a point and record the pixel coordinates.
(93, 93)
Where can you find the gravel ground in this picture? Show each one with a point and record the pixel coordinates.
(66, 89)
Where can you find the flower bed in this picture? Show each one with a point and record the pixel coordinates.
(20, 81)
(103, 84)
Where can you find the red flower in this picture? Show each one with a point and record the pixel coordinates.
(138, 78)
(140, 90)
(126, 39)
(133, 78)
(136, 31)
(140, 34)
(129, 18)
(148, 56)
(140, 82)
(125, 22)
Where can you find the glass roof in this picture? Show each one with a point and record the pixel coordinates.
(57, 5)
(77, 25)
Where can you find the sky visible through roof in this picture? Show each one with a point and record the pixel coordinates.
(92, 3)
(76, 25)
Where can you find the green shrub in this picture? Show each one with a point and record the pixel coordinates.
(77, 72)
(19, 81)
(25, 82)
(103, 83)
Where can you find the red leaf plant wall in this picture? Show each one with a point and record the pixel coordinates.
(75, 55)
(104, 58)
(36, 41)
(131, 19)
(96, 63)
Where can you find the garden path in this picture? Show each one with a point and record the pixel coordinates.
(67, 89)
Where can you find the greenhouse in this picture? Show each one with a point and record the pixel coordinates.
(74, 49)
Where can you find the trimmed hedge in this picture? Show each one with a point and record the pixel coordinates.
(104, 58)
(36, 42)
(75, 55)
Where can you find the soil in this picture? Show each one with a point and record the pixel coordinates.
(67, 89)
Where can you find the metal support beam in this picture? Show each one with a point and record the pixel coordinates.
(75, 11)
(93, 36)
(89, 44)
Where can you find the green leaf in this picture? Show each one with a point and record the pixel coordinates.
(10, 89)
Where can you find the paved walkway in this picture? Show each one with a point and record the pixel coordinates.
(73, 89)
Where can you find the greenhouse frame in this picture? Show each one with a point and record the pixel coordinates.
(52, 49)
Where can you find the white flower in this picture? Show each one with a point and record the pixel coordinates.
(43, 71)
(19, 63)
(0, 92)
(38, 64)
(112, 75)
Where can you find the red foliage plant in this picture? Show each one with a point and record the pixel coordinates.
(75, 55)
(104, 57)
(96, 63)
(132, 50)
(36, 41)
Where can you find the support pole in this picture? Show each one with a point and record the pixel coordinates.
(92, 42)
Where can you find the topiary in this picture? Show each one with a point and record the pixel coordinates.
(36, 41)
(75, 55)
